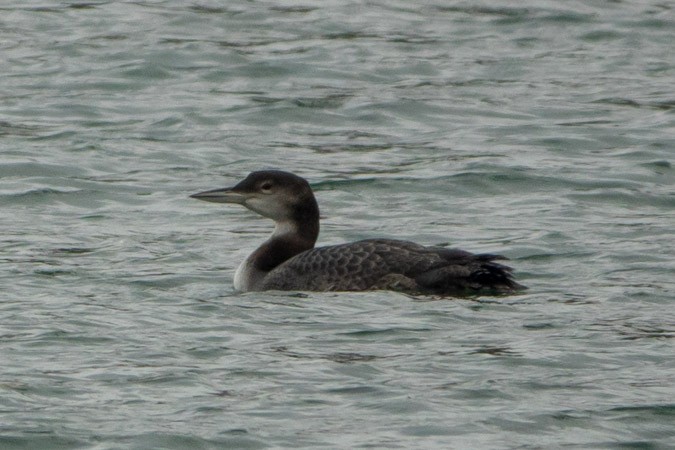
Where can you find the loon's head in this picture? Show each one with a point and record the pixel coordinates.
(278, 195)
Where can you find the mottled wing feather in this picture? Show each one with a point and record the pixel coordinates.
(347, 267)
(386, 263)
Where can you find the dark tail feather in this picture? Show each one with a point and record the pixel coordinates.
(471, 276)
(495, 276)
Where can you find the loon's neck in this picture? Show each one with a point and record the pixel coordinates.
(290, 237)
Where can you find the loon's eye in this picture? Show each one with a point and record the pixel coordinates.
(266, 186)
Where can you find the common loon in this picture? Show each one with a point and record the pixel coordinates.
(288, 260)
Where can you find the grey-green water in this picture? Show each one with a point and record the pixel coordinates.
(542, 130)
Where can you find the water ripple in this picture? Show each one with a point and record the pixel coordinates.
(542, 131)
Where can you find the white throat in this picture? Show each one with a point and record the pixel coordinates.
(284, 229)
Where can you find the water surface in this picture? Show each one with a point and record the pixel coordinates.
(540, 130)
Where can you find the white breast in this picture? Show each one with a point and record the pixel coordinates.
(247, 277)
(240, 277)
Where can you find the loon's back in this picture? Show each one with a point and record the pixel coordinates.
(391, 264)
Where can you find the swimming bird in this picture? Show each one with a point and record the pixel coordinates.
(288, 260)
